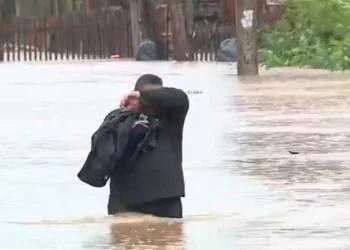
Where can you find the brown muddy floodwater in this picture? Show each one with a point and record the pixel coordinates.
(245, 191)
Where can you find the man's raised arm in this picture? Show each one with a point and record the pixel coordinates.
(171, 103)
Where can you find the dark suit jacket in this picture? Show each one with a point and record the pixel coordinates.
(156, 172)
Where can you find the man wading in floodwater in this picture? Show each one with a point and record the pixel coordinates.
(139, 148)
(154, 182)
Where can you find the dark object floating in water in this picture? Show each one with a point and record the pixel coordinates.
(293, 152)
(227, 51)
(147, 51)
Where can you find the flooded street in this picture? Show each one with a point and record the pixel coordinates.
(245, 190)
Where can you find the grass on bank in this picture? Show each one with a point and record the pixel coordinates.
(312, 34)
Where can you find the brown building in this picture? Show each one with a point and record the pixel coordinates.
(211, 10)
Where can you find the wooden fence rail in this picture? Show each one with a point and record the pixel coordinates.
(206, 39)
(94, 35)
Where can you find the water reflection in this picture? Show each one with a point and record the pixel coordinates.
(140, 236)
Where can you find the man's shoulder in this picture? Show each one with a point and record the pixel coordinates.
(116, 113)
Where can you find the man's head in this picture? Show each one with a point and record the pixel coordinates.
(148, 81)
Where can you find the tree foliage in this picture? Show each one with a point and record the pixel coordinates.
(312, 34)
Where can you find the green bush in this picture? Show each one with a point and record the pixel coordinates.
(312, 34)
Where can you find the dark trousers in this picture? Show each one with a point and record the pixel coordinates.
(168, 208)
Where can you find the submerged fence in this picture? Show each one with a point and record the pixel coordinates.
(99, 34)
(206, 39)
(94, 35)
